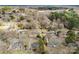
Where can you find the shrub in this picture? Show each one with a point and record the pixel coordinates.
(3, 37)
(41, 46)
(76, 51)
(12, 17)
(22, 17)
(29, 21)
(71, 37)
(72, 23)
(20, 25)
(42, 43)
(14, 11)
(1, 23)
(72, 19)
(21, 9)
(6, 8)
(53, 15)
(58, 32)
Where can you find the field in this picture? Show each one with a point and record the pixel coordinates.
(39, 30)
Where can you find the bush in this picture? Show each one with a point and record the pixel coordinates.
(22, 17)
(42, 43)
(53, 15)
(21, 26)
(6, 8)
(1, 23)
(12, 17)
(21, 9)
(58, 32)
(71, 37)
(76, 51)
(72, 23)
(72, 19)
(41, 46)
(3, 37)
